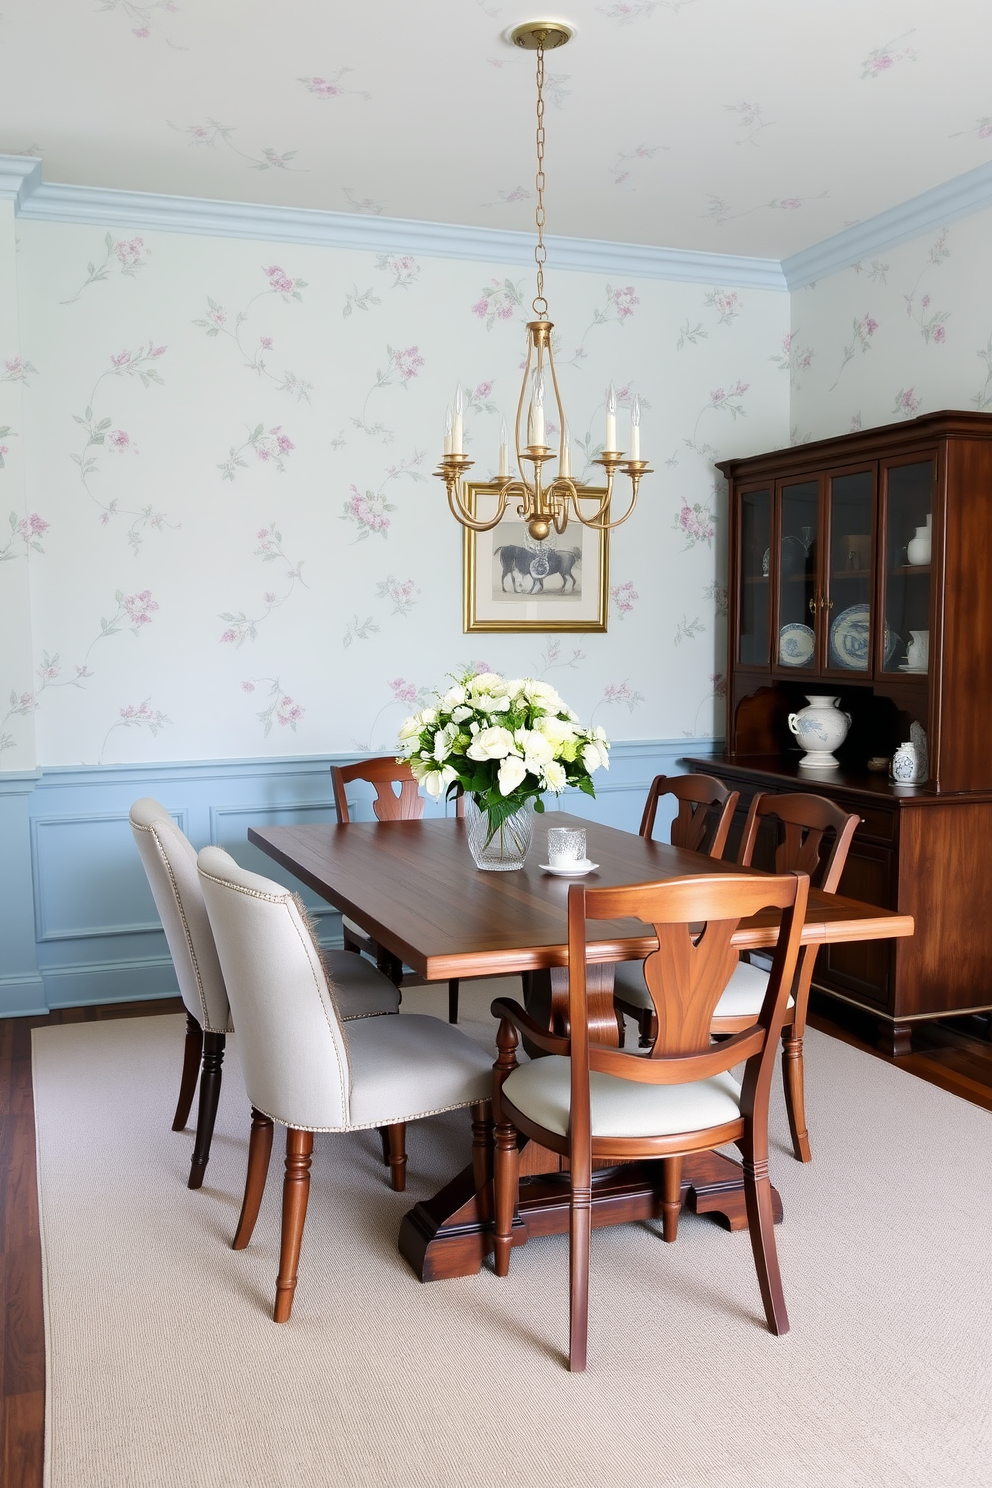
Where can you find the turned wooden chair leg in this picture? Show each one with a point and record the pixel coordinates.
(210, 1079)
(295, 1193)
(505, 1185)
(580, 1229)
(671, 1196)
(396, 1137)
(453, 1002)
(761, 1227)
(259, 1152)
(192, 1053)
(648, 1026)
(793, 1077)
(482, 1157)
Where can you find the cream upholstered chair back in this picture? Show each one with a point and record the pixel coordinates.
(291, 1041)
(170, 863)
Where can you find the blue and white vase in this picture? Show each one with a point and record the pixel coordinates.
(820, 728)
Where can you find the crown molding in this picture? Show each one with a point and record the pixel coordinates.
(35, 199)
(945, 203)
(21, 182)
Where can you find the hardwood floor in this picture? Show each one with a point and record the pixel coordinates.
(956, 1055)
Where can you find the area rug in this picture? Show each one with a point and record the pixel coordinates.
(165, 1369)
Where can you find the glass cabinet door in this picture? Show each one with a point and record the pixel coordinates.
(795, 566)
(850, 568)
(755, 581)
(906, 534)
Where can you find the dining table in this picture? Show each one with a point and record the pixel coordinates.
(412, 885)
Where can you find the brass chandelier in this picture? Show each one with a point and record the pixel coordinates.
(542, 506)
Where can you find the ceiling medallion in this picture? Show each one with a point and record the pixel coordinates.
(541, 506)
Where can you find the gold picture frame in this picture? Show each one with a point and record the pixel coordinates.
(499, 591)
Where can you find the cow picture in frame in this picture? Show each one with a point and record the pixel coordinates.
(513, 583)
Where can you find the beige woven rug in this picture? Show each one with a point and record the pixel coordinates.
(165, 1370)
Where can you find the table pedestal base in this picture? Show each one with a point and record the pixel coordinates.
(448, 1235)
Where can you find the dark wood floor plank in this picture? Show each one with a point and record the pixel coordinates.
(24, 1440)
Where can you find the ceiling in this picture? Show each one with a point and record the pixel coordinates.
(709, 125)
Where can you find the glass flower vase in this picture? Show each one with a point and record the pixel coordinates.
(504, 849)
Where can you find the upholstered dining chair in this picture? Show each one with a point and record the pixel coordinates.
(308, 1070)
(407, 804)
(588, 1102)
(169, 860)
(813, 836)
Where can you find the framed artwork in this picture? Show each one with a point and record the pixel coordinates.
(511, 582)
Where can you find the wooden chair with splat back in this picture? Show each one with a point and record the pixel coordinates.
(587, 1102)
(389, 804)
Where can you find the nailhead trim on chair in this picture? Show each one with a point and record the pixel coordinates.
(204, 1021)
(286, 899)
(368, 1125)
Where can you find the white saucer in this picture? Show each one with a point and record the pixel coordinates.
(574, 870)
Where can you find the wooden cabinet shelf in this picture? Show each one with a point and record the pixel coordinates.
(926, 851)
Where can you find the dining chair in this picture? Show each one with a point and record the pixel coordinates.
(813, 836)
(407, 804)
(701, 824)
(588, 1102)
(169, 860)
(705, 811)
(308, 1070)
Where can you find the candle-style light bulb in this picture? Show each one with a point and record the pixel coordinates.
(447, 431)
(635, 429)
(566, 453)
(611, 418)
(456, 426)
(535, 417)
(504, 465)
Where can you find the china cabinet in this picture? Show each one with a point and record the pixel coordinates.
(861, 569)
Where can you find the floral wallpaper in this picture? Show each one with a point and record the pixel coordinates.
(906, 332)
(225, 539)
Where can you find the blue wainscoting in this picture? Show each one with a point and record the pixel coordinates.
(77, 921)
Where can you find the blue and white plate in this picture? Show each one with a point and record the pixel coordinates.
(795, 645)
(849, 639)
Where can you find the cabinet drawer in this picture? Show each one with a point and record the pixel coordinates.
(875, 822)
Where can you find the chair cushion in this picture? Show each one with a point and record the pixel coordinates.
(742, 996)
(359, 989)
(622, 1108)
(411, 1066)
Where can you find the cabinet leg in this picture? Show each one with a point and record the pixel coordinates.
(896, 1039)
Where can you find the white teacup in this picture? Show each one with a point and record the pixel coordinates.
(566, 845)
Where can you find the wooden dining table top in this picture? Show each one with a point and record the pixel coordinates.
(414, 887)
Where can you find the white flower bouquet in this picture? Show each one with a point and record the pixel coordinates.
(503, 742)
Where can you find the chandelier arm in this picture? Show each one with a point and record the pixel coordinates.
(605, 526)
(461, 514)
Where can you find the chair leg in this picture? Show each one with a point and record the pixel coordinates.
(794, 1079)
(295, 1193)
(453, 1002)
(191, 1068)
(482, 1158)
(210, 1078)
(648, 1026)
(761, 1227)
(396, 1136)
(259, 1152)
(579, 1231)
(505, 1185)
(671, 1196)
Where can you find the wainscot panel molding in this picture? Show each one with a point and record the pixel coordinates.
(78, 924)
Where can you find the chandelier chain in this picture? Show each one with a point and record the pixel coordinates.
(540, 304)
